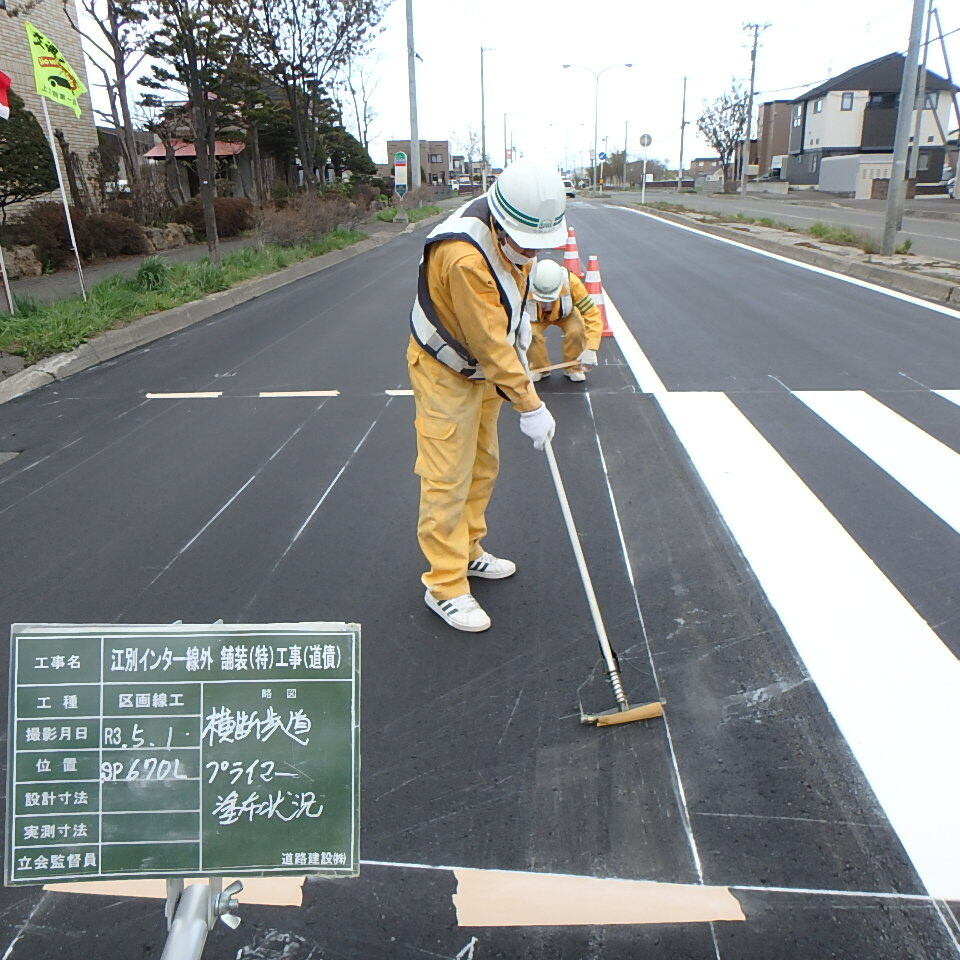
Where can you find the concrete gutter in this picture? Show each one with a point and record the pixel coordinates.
(943, 292)
(112, 343)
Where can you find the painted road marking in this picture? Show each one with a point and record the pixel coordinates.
(398, 393)
(889, 681)
(212, 395)
(929, 469)
(299, 393)
(905, 297)
(952, 395)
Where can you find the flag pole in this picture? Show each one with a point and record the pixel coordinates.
(63, 193)
(6, 282)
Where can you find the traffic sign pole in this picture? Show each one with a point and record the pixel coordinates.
(645, 142)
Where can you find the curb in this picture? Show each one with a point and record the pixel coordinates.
(113, 343)
(941, 292)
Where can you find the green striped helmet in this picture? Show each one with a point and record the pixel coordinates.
(529, 201)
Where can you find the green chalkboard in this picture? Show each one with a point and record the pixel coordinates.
(182, 750)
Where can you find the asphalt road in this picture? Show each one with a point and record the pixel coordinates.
(935, 238)
(120, 508)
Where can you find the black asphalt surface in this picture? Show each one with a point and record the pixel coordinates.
(124, 509)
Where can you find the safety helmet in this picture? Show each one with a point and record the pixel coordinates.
(546, 281)
(529, 201)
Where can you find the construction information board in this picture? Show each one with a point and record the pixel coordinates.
(183, 750)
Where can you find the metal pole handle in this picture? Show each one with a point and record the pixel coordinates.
(609, 658)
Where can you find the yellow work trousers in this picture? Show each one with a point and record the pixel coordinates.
(574, 341)
(458, 458)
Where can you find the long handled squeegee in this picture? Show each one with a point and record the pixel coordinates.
(623, 712)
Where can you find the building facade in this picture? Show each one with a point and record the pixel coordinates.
(856, 112)
(15, 60)
(434, 159)
(773, 134)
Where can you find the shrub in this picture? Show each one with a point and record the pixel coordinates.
(365, 194)
(153, 274)
(279, 193)
(387, 214)
(305, 218)
(234, 215)
(109, 235)
(45, 227)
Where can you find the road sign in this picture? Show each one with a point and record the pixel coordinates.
(603, 156)
(646, 140)
(182, 750)
(400, 172)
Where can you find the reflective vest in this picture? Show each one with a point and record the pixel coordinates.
(471, 223)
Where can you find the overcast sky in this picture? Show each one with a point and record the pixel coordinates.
(550, 110)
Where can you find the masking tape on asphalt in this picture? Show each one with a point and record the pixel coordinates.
(507, 898)
(266, 891)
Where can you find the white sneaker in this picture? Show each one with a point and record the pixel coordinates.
(461, 613)
(537, 377)
(577, 376)
(490, 567)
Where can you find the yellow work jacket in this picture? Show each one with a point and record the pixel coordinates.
(467, 301)
(582, 302)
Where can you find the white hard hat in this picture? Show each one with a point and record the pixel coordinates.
(546, 281)
(529, 201)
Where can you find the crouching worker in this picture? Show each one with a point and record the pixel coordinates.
(468, 323)
(562, 300)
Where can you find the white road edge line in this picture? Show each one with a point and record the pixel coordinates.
(905, 297)
(210, 395)
(398, 393)
(861, 642)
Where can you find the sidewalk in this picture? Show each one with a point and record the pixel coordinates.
(63, 283)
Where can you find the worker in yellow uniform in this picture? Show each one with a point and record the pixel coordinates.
(469, 327)
(562, 300)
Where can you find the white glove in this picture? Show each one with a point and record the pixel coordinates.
(588, 358)
(524, 333)
(538, 425)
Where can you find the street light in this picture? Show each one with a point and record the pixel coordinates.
(483, 123)
(596, 102)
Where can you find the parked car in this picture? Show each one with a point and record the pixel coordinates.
(568, 186)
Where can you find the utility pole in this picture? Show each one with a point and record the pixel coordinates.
(626, 140)
(896, 193)
(483, 124)
(745, 154)
(683, 129)
(921, 101)
(412, 79)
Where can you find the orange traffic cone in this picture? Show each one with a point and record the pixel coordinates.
(571, 255)
(594, 287)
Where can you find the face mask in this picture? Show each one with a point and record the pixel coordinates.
(514, 256)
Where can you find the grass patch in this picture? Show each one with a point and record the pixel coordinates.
(421, 213)
(38, 330)
(415, 214)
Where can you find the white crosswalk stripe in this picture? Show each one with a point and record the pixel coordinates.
(890, 682)
(929, 469)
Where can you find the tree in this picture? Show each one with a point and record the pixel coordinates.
(115, 37)
(192, 44)
(723, 124)
(303, 43)
(470, 144)
(360, 84)
(346, 153)
(26, 164)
